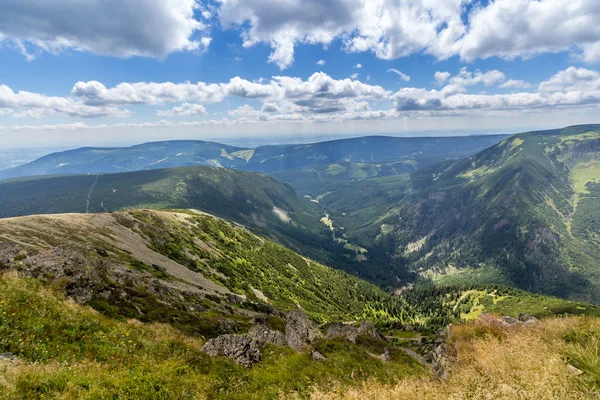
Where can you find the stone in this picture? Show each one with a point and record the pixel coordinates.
(7, 357)
(344, 331)
(574, 370)
(242, 348)
(262, 334)
(509, 320)
(385, 357)
(317, 356)
(300, 331)
(527, 319)
(368, 329)
(227, 326)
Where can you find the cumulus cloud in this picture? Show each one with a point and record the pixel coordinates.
(184, 110)
(400, 74)
(358, 66)
(525, 28)
(354, 75)
(321, 62)
(25, 104)
(106, 27)
(568, 88)
(512, 83)
(443, 28)
(441, 77)
(320, 98)
(245, 111)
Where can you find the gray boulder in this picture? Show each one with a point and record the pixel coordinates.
(318, 356)
(242, 348)
(345, 331)
(368, 329)
(385, 357)
(527, 319)
(262, 334)
(300, 331)
(509, 320)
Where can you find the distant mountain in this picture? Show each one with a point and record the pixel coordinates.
(158, 155)
(524, 212)
(370, 149)
(145, 156)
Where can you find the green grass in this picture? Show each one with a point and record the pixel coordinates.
(69, 351)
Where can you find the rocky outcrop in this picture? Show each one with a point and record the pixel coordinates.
(242, 348)
(344, 331)
(316, 356)
(300, 331)
(262, 334)
(368, 329)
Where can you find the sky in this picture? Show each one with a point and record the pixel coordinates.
(92, 72)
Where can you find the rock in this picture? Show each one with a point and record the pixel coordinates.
(300, 331)
(509, 320)
(234, 299)
(317, 356)
(574, 370)
(527, 319)
(262, 334)
(440, 361)
(345, 331)
(226, 326)
(385, 357)
(7, 357)
(368, 329)
(242, 348)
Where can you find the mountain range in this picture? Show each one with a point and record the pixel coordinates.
(181, 153)
(521, 212)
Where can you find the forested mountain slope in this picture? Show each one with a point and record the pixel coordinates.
(523, 212)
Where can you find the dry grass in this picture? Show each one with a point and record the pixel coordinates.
(498, 362)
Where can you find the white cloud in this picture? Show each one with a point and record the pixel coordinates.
(572, 78)
(34, 105)
(245, 111)
(391, 28)
(400, 74)
(441, 77)
(354, 75)
(572, 87)
(512, 83)
(106, 27)
(524, 28)
(95, 93)
(321, 62)
(358, 66)
(184, 110)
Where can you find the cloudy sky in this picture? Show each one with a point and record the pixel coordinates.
(91, 71)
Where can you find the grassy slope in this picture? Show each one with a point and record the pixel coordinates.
(198, 251)
(70, 351)
(503, 363)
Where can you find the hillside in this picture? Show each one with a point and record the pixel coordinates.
(522, 212)
(97, 305)
(146, 255)
(257, 201)
(180, 153)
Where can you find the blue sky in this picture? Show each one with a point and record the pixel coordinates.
(109, 71)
